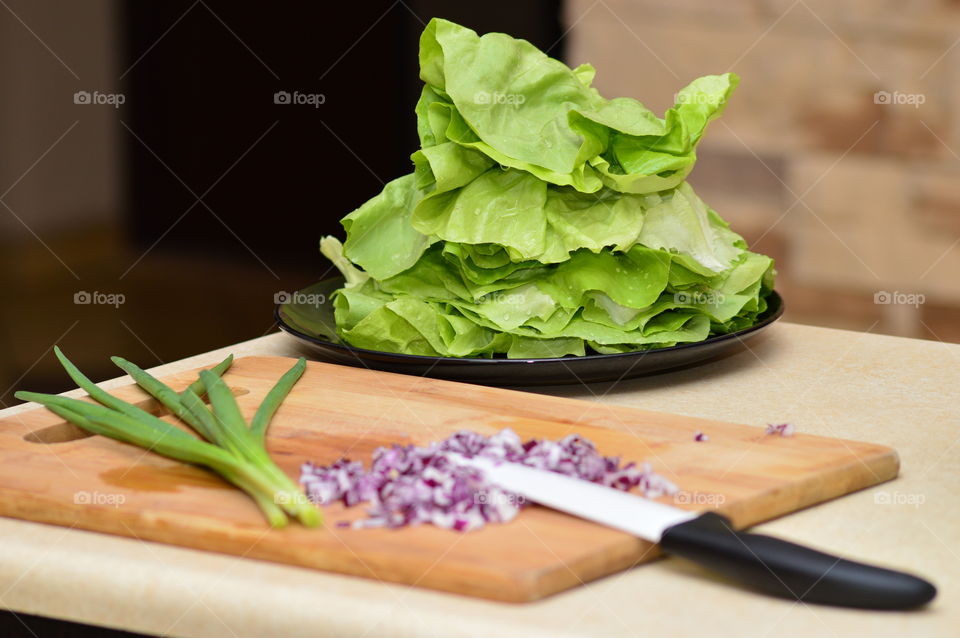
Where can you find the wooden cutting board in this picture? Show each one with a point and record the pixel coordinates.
(52, 472)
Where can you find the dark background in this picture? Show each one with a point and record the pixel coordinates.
(315, 164)
(221, 194)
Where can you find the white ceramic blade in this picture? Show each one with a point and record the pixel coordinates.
(615, 508)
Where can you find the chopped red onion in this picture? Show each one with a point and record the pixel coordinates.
(700, 437)
(783, 429)
(410, 485)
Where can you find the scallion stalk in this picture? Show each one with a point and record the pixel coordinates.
(276, 395)
(234, 451)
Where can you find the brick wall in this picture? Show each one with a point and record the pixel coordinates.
(839, 154)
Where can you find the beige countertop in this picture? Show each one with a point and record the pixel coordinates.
(898, 392)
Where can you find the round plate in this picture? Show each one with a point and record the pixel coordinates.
(307, 316)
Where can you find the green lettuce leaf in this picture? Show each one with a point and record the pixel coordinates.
(525, 110)
(541, 219)
(385, 221)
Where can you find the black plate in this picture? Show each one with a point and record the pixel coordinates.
(308, 316)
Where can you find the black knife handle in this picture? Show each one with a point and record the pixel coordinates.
(791, 571)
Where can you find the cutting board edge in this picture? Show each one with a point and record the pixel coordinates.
(519, 586)
(132, 393)
(494, 390)
(880, 468)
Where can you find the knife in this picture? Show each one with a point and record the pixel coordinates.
(763, 563)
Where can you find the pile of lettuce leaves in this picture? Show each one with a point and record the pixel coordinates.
(541, 219)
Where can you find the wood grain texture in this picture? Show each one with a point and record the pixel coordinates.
(52, 472)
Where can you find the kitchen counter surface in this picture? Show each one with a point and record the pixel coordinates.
(889, 390)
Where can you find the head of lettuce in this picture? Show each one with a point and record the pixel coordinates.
(542, 219)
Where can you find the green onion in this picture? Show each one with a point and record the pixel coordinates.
(270, 403)
(239, 437)
(197, 386)
(105, 398)
(235, 451)
(174, 442)
(164, 393)
(227, 413)
(203, 421)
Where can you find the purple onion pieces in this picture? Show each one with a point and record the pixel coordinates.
(783, 429)
(411, 485)
(700, 437)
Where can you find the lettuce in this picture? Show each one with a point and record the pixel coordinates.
(541, 219)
